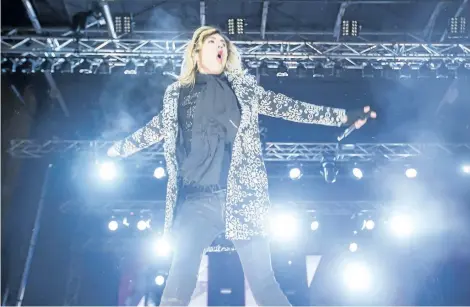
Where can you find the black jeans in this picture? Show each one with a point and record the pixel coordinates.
(198, 221)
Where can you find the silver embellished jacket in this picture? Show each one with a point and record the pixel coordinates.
(247, 202)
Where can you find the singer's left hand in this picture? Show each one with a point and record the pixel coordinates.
(361, 122)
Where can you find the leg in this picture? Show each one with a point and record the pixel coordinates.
(197, 223)
(255, 257)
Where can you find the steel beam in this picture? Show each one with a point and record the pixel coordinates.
(432, 21)
(109, 18)
(202, 12)
(275, 152)
(50, 80)
(339, 18)
(264, 19)
(120, 50)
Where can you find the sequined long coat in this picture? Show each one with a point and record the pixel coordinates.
(247, 203)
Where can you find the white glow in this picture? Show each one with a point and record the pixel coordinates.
(357, 276)
(295, 173)
(353, 247)
(401, 225)
(159, 280)
(113, 225)
(107, 171)
(314, 226)
(357, 173)
(369, 224)
(411, 173)
(466, 168)
(159, 172)
(284, 226)
(142, 225)
(162, 247)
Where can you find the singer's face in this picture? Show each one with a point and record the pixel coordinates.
(212, 57)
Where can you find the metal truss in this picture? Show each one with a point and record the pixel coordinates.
(276, 152)
(119, 51)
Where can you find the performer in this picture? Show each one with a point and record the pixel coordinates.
(217, 180)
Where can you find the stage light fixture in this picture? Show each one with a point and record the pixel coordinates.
(46, 65)
(162, 247)
(7, 65)
(107, 171)
(159, 172)
(143, 225)
(282, 70)
(405, 72)
(149, 67)
(104, 68)
(130, 68)
(349, 28)
(353, 247)
(314, 225)
(458, 28)
(240, 26)
(159, 280)
(123, 23)
(357, 172)
(411, 172)
(113, 225)
(330, 171)
(231, 26)
(368, 71)
(66, 67)
(442, 72)
(295, 173)
(318, 71)
(168, 66)
(368, 224)
(357, 276)
(284, 226)
(401, 225)
(84, 67)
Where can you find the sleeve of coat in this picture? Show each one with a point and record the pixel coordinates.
(281, 106)
(145, 137)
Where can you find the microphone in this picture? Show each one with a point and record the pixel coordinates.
(351, 128)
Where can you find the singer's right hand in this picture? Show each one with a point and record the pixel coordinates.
(112, 152)
(359, 122)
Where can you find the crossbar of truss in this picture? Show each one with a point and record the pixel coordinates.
(276, 152)
(121, 50)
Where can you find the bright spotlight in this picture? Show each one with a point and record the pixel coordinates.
(466, 168)
(314, 226)
(159, 172)
(142, 225)
(369, 224)
(113, 225)
(411, 173)
(295, 173)
(353, 247)
(357, 276)
(107, 171)
(357, 173)
(159, 280)
(162, 247)
(401, 225)
(284, 226)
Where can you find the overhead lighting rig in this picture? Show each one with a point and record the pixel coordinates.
(458, 28)
(236, 26)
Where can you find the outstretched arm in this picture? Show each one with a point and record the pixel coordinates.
(281, 106)
(146, 136)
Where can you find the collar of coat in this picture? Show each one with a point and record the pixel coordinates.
(240, 81)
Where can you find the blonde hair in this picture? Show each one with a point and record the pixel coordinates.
(189, 66)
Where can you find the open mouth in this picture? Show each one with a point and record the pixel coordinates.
(219, 56)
